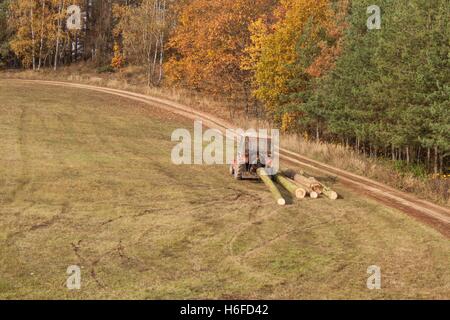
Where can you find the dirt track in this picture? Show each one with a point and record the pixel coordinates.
(425, 211)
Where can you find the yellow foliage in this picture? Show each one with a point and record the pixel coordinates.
(37, 27)
(259, 31)
(287, 122)
(273, 53)
(209, 44)
(118, 60)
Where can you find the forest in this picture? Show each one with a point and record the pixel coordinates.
(310, 67)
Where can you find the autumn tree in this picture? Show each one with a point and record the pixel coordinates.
(23, 20)
(143, 30)
(302, 44)
(40, 37)
(207, 46)
(7, 57)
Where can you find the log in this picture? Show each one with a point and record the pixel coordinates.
(312, 194)
(312, 183)
(272, 187)
(293, 188)
(328, 192)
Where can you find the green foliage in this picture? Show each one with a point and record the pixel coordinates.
(416, 169)
(292, 52)
(106, 69)
(390, 88)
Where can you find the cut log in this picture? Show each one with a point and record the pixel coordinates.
(262, 173)
(312, 194)
(312, 183)
(293, 188)
(330, 193)
(305, 179)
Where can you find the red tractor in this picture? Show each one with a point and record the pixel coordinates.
(253, 153)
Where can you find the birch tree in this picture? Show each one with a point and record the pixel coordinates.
(143, 30)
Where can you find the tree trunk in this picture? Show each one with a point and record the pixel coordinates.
(161, 58)
(76, 46)
(417, 154)
(155, 57)
(33, 39)
(317, 132)
(60, 10)
(149, 67)
(407, 154)
(41, 46)
(436, 160)
(161, 40)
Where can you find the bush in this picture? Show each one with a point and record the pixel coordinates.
(415, 169)
(106, 69)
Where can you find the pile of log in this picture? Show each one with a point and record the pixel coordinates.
(297, 184)
(312, 184)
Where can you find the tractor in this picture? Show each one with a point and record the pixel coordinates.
(253, 152)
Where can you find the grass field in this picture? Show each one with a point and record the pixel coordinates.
(86, 179)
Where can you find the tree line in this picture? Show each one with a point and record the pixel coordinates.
(311, 67)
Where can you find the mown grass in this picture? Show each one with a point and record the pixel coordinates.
(86, 179)
(412, 178)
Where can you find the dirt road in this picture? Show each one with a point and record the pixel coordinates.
(425, 211)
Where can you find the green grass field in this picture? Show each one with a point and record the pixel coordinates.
(86, 179)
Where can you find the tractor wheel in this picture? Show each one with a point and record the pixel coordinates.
(239, 171)
(231, 170)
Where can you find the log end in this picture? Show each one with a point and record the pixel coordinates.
(300, 193)
(281, 202)
(333, 195)
(313, 195)
(317, 188)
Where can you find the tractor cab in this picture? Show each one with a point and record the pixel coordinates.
(253, 152)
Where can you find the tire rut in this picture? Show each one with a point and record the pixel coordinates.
(24, 181)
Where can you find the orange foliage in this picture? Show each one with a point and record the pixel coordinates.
(118, 60)
(334, 29)
(208, 44)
